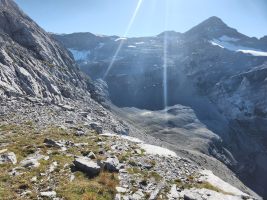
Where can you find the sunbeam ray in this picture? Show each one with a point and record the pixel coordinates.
(165, 59)
(125, 35)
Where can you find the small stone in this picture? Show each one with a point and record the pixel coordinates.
(84, 114)
(138, 151)
(173, 194)
(52, 167)
(32, 161)
(97, 127)
(9, 157)
(138, 195)
(80, 133)
(34, 179)
(91, 155)
(112, 164)
(118, 197)
(69, 121)
(121, 190)
(48, 194)
(52, 143)
(72, 177)
(3, 151)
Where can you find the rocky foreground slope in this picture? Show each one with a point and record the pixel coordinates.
(50, 151)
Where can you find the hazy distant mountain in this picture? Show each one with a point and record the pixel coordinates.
(212, 68)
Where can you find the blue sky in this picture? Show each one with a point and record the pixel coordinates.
(112, 17)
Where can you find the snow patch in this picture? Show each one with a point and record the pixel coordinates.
(156, 150)
(120, 39)
(146, 113)
(254, 53)
(80, 55)
(131, 46)
(225, 42)
(216, 44)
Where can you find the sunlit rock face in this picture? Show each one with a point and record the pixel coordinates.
(212, 69)
(31, 61)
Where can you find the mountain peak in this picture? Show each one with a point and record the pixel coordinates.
(214, 20)
(212, 27)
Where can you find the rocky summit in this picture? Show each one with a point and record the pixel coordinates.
(69, 130)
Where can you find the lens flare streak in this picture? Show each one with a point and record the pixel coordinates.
(122, 41)
(165, 59)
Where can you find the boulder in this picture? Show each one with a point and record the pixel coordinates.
(66, 107)
(121, 190)
(173, 194)
(112, 164)
(87, 165)
(52, 143)
(32, 161)
(97, 127)
(80, 133)
(154, 194)
(9, 157)
(138, 195)
(84, 114)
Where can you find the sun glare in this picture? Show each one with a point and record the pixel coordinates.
(138, 6)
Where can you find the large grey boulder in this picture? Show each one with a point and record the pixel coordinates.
(87, 165)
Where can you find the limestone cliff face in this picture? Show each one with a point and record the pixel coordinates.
(31, 61)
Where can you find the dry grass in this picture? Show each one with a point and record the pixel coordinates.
(102, 187)
(24, 140)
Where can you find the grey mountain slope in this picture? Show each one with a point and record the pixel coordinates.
(31, 61)
(212, 28)
(228, 80)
